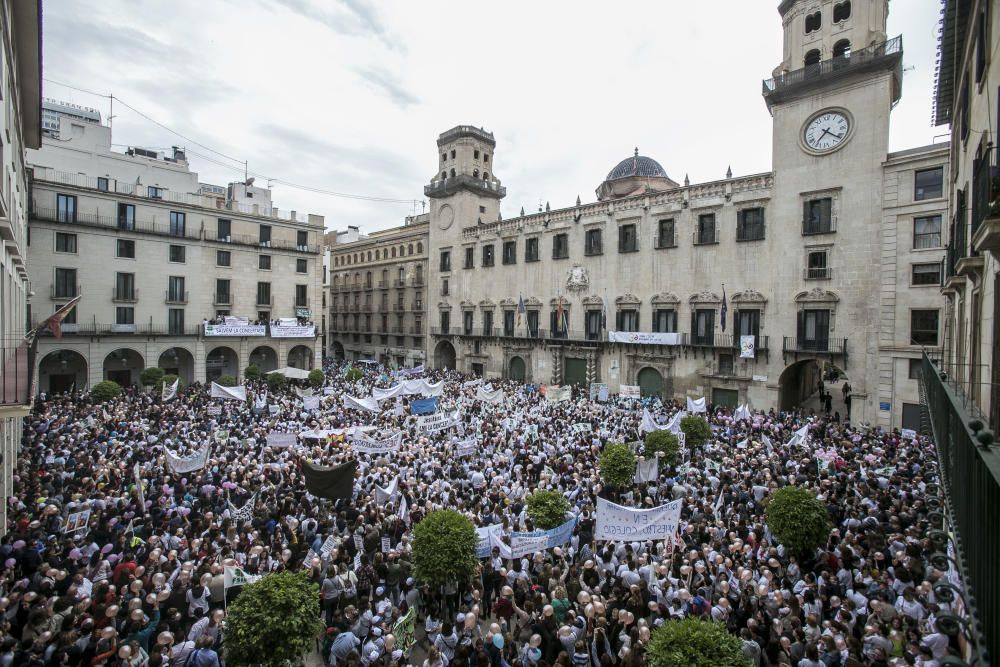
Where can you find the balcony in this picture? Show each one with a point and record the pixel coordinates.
(592, 249)
(446, 187)
(383, 284)
(98, 329)
(706, 236)
(416, 330)
(836, 347)
(400, 282)
(710, 340)
(418, 281)
(817, 273)
(92, 219)
(130, 295)
(175, 297)
(63, 292)
(885, 56)
(222, 299)
(17, 367)
(399, 307)
(812, 227)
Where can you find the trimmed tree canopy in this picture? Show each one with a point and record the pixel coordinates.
(316, 377)
(276, 381)
(693, 642)
(105, 391)
(696, 431)
(666, 442)
(617, 464)
(353, 374)
(444, 548)
(547, 509)
(798, 519)
(226, 380)
(252, 372)
(149, 377)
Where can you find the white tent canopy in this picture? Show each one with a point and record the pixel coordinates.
(293, 373)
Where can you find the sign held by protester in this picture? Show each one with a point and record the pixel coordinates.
(626, 524)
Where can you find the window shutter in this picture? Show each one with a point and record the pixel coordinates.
(801, 327)
(637, 327)
(694, 323)
(805, 212)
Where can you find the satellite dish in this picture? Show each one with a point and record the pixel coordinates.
(249, 181)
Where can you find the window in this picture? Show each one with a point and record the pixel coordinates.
(222, 293)
(592, 242)
(301, 296)
(813, 22)
(263, 294)
(706, 232)
(928, 183)
(65, 242)
(627, 241)
(817, 216)
(927, 232)
(177, 254)
(175, 320)
(592, 324)
(927, 274)
(559, 323)
(531, 249)
(726, 365)
(665, 234)
(816, 265)
(924, 327)
(628, 320)
(302, 240)
(125, 248)
(124, 315)
(445, 321)
(452, 153)
(177, 223)
(475, 154)
(70, 316)
(124, 286)
(750, 224)
(486, 157)
(65, 208)
(508, 322)
(175, 289)
(560, 246)
(223, 230)
(814, 330)
(467, 322)
(264, 235)
(842, 11)
(470, 254)
(368, 280)
(444, 287)
(665, 320)
(510, 252)
(488, 255)
(703, 326)
(747, 323)
(126, 217)
(264, 262)
(842, 49)
(445, 261)
(102, 183)
(223, 258)
(980, 55)
(532, 323)
(154, 192)
(812, 58)
(302, 266)
(916, 368)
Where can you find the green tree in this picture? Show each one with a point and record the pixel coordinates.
(444, 548)
(273, 620)
(617, 465)
(105, 391)
(798, 519)
(276, 381)
(694, 642)
(316, 377)
(353, 374)
(696, 431)
(666, 442)
(226, 381)
(547, 509)
(150, 377)
(252, 372)
(169, 379)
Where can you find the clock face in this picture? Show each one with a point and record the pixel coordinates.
(827, 131)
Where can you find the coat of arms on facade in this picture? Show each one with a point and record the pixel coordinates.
(577, 279)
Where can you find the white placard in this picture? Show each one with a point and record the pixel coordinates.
(629, 391)
(748, 347)
(386, 545)
(437, 422)
(213, 410)
(279, 440)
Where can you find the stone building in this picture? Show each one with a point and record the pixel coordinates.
(740, 289)
(161, 262)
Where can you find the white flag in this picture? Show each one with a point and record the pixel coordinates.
(169, 392)
(238, 393)
(696, 405)
(742, 412)
(383, 496)
(404, 511)
(799, 437)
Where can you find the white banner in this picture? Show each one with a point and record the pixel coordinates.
(368, 404)
(438, 422)
(383, 496)
(799, 437)
(293, 332)
(237, 393)
(489, 396)
(742, 412)
(304, 393)
(213, 410)
(649, 424)
(310, 403)
(557, 394)
(748, 346)
(697, 405)
(644, 338)
(380, 394)
(487, 535)
(238, 330)
(646, 470)
(629, 391)
(279, 440)
(169, 392)
(624, 524)
(908, 433)
(674, 425)
(390, 444)
(465, 447)
(189, 463)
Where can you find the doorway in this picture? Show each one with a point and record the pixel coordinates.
(650, 382)
(61, 383)
(729, 398)
(123, 378)
(575, 371)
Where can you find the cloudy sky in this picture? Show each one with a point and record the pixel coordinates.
(350, 95)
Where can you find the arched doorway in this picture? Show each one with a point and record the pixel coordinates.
(178, 361)
(337, 351)
(650, 382)
(62, 370)
(444, 356)
(222, 361)
(798, 387)
(123, 366)
(300, 356)
(265, 358)
(518, 370)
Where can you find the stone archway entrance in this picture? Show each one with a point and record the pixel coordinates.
(798, 386)
(222, 361)
(265, 358)
(445, 356)
(337, 351)
(300, 356)
(61, 371)
(650, 382)
(178, 361)
(123, 366)
(517, 369)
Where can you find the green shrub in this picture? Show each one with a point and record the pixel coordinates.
(105, 391)
(353, 374)
(694, 642)
(252, 372)
(276, 381)
(617, 465)
(696, 431)
(273, 621)
(316, 377)
(150, 377)
(666, 442)
(547, 509)
(798, 519)
(444, 548)
(169, 380)
(226, 381)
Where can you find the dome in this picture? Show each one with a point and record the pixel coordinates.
(637, 165)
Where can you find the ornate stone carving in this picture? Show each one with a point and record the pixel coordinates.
(817, 294)
(486, 304)
(749, 296)
(628, 300)
(705, 297)
(508, 303)
(665, 298)
(532, 302)
(444, 305)
(592, 300)
(577, 279)
(467, 305)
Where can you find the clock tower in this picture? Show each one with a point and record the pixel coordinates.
(830, 99)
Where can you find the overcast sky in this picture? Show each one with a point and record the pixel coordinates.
(350, 95)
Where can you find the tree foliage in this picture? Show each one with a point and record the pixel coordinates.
(547, 509)
(276, 381)
(798, 519)
(617, 464)
(316, 377)
(444, 548)
(150, 377)
(694, 642)
(169, 379)
(273, 620)
(105, 391)
(696, 431)
(666, 442)
(226, 381)
(353, 374)
(252, 372)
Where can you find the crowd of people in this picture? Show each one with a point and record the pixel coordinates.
(134, 583)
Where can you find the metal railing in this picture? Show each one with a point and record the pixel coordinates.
(706, 236)
(17, 373)
(970, 479)
(817, 273)
(813, 227)
(125, 295)
(593, 248)
(666, 241)
(815, 345)
(835, 66)
(175, 296)
(63, 292)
